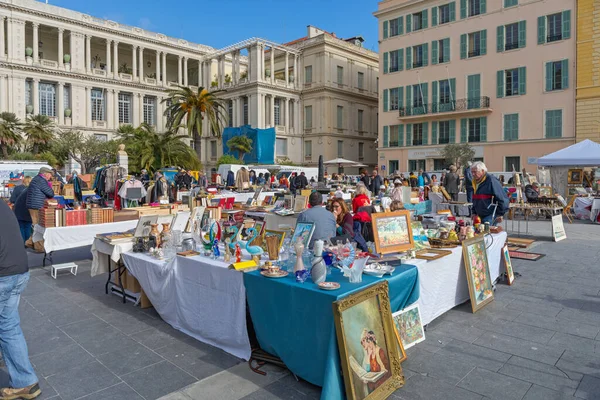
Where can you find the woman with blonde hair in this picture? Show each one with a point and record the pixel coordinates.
(19, 189)
(361, 197)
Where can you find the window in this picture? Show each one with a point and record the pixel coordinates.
(394, 166)
(553, 124)
(340, 117)
(213, 149)
(415, 165)
(361, 80)
(554, 27)
(124, 108)
(474, 44)
(308, 117)
(396, 27)
(281, 147)
(444, 14)
(101, 137)
(308, 149)
(475, 7)
(28, 100)
(67, 97)
(394, 65)
(418, 56)
(360, 120)
(510, 3)
(474, 130)
(512, 82)
(557, 75)
(419, 20)
(277, 110)
(417, 138)
(511, 36)
(394, 99)
(512, 163)
(361, 151)
(440, 164)
(395, 135)
(445, 95)
(554, 23)
(340, 148)
(308, 74)
(97, 104)
(511, 128)
(440, 51)
(245, 109)
(417, 96)
(150, 110)
(444, 132)
(47, 99)
(340, 75)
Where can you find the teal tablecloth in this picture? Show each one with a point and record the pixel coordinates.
(421, 208)
(294, 321)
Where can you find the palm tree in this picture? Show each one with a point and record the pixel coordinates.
(185, 104)
(242, 144)
(10, 131)
(39, 130)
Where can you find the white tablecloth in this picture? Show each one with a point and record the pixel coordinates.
(197, 296)
(595, 210)
(443, 282)
(100, 249)
(69, 237)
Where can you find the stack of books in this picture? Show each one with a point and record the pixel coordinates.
(74, 217)
(47, 217)
(98, 215)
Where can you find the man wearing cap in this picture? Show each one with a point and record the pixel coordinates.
(532, 192)
(490, 202)
(39, 190)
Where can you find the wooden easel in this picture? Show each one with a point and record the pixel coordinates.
(567, 211)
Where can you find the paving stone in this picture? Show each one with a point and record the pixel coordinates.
(286, 388)
(89, 330)
(494, 385)
(421, 387)
(535, 308)
(45, 338)
(541, 393)
(517, 330)
(61, 359)
(541, 367)
(433, 342)
(175, 396)
(129, 359)
(85, 379)
(584, 363)
(475, 355)
(560, 325)
(447, 369)
(154, 338)
(551, 381)
(569, 342)
(121, 391)
(158, 380)
(458, 331)
(521, 348)
(589, 388)
(106, 344)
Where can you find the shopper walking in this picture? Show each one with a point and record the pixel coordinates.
(14, 275)
(451, 182)
(39, 190)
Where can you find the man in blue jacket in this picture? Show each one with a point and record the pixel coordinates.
(490, 202)
(469, 182)
(39, 190)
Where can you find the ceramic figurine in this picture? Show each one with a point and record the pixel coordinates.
(227, 255)
(319, 269)
(216, 252)
(234, 237)
(253, 250)
(299, 250)
(238, 253)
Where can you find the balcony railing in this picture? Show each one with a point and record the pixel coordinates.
(150, 81)
(511, 46)
(452, 106)
(49, 63)
(126, 77)
(554, 38)
(475, 53)
(97, 71)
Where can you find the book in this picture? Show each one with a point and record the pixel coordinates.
(362, 373)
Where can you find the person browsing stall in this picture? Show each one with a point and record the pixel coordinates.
(361, 198)
(39, 190)
(343, 218)
(324, 221)
(490, 202)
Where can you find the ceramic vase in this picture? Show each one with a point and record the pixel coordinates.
(318, 272)
(154, 233)
(165, 235)
(299, 250)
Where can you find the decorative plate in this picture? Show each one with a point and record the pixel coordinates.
(328, 285)
(274, 274)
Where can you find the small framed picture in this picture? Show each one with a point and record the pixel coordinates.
(510, 275)
(575, 176)
(409, 328)
(259, 226)
(303, 232)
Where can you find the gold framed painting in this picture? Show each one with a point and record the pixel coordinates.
(575, 177)
(546, 191)
(432, 254)
(368, 346)
(392, 232)
(478, 272)
(279, 234)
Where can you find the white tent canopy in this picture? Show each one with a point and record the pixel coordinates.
(585, 153)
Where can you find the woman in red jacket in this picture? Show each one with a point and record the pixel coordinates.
(361, 198)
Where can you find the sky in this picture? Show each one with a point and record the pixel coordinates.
(225, 22)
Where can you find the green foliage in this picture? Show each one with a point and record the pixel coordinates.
(39, 131)
(10, 132)
(23, 156)
(50, 159)
(458, 153)
(286, 161)
(227, 159)
(89, 151)
(242, 144)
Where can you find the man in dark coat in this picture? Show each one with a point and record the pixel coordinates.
(22, 214)
(301, 181)
(451, 181)
(39, 190)
(364, 178)
(376, 183)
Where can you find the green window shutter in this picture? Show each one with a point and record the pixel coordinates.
(548, 124)
(425, 54)
(500, 39)
(453, 11)
(434, 129)
(483, 42)
(424, 90)
(434, 16)
(522, 34)
(400, 59)
(409, 58)
(434, 96)
(452, 135)
(483, 125)
(558, 123)
(434, 52)
(463, 9)
(463, 46)
(516, 127)
(541, 30)
(400, 135)
(386, 63)
(453, 90)
(510, 3)
(565, 74)
(385, 29)
(408, 104)
(409, 23)
(522, 80)
(386, 136)
(482, 6)
(446, 46)
(409, 134)
(424, 19)
(566, 24)
(549, 76)
(400, 25)
(463, 130)
(400, 97)
(507, 127)
(500, 84)
(425, 133)
(385, 100)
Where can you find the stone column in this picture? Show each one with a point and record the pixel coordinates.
(116, 64)
(60, 107)
(159, 114)
(36, 41)
(220, 70)
(296, 74)
(297, 123)
(185, 71)
(141, 109)
(164, 69)
(272, 65)
(179, 77)
(287, 70)
(141, 65)
(200, 83)
(2, 38)
(88, 53)
(287, 115)
(135, 108)
(134, 62)
(115, 94)
(110, 109)
(60, 47)
(273, 109)
(107, 57)
(157, 66)
(35, 96)
(88, 102)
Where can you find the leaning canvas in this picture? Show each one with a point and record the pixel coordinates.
(408, 326)
(478, 272)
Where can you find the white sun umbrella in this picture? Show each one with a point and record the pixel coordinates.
(340, 162)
